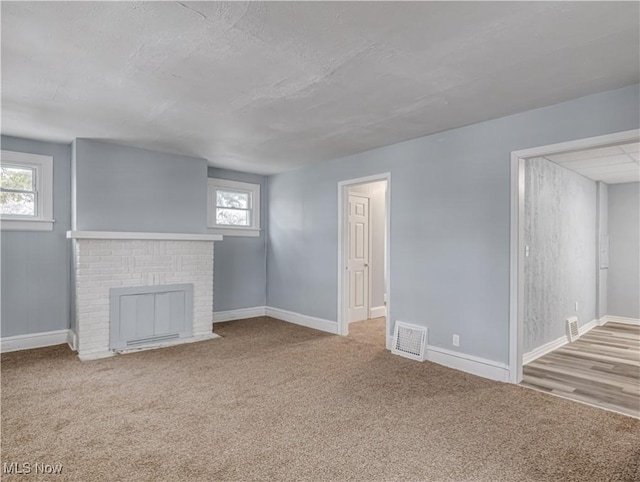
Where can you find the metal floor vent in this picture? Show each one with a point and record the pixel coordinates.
(573, 333)
(409, 341)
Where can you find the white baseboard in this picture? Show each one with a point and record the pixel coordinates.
(304, 320)
(242, 313)
(469, 363)
(72, 340)
(35, 340)
(557, 343)
(589, 326)
(283, 315)
(466, 363)
(621, 319)
(544, 349)
(378, 311)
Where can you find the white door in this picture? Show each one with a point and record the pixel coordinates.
(358, 258)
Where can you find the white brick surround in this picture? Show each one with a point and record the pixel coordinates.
(101, 264)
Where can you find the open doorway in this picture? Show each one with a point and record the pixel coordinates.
(575, 257)
(363, 274)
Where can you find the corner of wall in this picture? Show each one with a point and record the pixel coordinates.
(74, 149)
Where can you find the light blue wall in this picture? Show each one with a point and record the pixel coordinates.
(120, 188)
(560, 231)
(36, 265)
(239, 265)
(624, 252)
(602, 271)
(449, 235)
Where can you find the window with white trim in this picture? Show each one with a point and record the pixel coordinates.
(233, 208)
(26, 191)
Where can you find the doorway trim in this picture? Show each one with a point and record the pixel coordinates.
(343, 203)
(516, 257)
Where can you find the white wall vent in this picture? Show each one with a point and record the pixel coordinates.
(409, 341)
(573, 333)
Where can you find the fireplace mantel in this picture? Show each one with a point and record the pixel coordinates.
(150, 236)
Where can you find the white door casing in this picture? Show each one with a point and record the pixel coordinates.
(358, 258)
(517, 248)
(343, 250)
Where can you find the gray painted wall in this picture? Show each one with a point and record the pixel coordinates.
(35, 265)
(560, 231)
(602, 227)
(240, 264)
(449, 221)
(120, 188)
(624, 252)
(375, 191)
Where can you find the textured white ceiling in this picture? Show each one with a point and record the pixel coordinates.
(611, 164)
(267, 87)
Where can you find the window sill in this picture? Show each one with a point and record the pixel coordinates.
(26, 224)
(246, 232)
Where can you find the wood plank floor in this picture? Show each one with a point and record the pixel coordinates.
(601, 368)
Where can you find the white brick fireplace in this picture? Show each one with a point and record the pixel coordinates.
(105, 260)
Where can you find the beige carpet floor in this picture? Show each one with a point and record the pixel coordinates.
(274, 401)
(371, 331)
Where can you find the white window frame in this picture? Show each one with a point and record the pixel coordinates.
(213, 185)
(43, 167)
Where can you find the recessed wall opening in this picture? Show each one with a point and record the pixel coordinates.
(576, 324)
(363, 274)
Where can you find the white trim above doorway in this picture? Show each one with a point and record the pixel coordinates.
(343, 192)
(516, 265)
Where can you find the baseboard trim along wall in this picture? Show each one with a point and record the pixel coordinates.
(544, 349)
(72, 340)
(283, 315)
(469, 363)
(621, 319)
(303, 320)
(242, 313)
(558, 342)
(378, 311)
(466, 363)
(37, 340)
(590, 326)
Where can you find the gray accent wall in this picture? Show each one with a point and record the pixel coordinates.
(36, 265)
(450, 195)
(624, 250)
(118, 188)
(560, 233)
(602, 243)
(240, 264)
